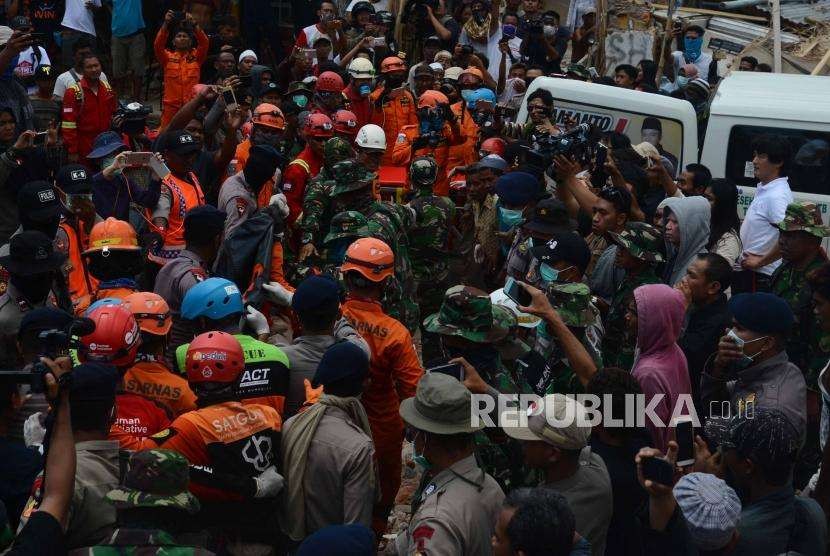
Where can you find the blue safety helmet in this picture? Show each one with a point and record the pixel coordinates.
(215, 298)
(101, 302)
(483, 93)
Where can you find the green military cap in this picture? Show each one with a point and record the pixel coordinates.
(579, 70)
(468, 312)
(156, 479)
(573, 303)
(642, 240)
(335, 150)
(348, 223)
(804, 216)
(441, 406)
(299, 86)
(350, 175)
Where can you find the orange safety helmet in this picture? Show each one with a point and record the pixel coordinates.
(330, 82)
(268, 115)
(214, 357)
(493, 145)
(432, 99)
(318, 125)
(345, 122)
(112, 234)
(392, 63)
(151, 312)
(371, 258)
(115, 339)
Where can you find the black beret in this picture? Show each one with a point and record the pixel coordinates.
(763, 313)
(341, 360)
(315, 292)
(204, 221)
(93, 381)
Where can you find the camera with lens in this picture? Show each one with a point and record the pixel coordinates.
(579, 144)
(132, 117)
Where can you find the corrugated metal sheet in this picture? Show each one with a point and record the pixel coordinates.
(745, 31)
(802, 13)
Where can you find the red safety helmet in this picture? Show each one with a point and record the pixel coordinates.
(493, 145)
(268, 115)
(318, 125)
(115, 339)
(330, 82)
(392, 63)
(214, 357)
(432, 99)
(345, 122)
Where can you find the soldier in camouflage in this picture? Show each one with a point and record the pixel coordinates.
(800, 242)
(468, 325)
(430, 237)
(639, 250)
(155, 490)
(345, 228)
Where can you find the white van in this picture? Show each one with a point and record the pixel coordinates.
(622, 110)
(749, 104)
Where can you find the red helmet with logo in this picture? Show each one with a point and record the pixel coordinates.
(318, 125)
(493, 145)
(329, 82)
(115, 339)
(392, 63)
(345, 122)
(214, 357)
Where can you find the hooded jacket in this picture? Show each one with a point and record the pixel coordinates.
(693, 215)
(661, 366)
(256, 80)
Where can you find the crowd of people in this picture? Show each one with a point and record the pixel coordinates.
(256, 313)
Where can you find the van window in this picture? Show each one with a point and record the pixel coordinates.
(810, 172)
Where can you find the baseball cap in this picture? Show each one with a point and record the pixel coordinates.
(557, 419)
(549, 217)
(453, 73)
(38, 201)
(473, 71)
(31, 252)
(178, 142)
(73, 179)
(564, 246)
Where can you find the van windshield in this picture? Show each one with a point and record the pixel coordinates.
(810, 172)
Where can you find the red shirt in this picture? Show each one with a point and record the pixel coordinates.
(139, 416)
(297, 174)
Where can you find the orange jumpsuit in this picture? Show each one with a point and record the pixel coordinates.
(181, 72)
(394, 111)
(465, 153)
(152, 379)
(86, 113)
(404, 152)
(295, 178)
(394, 372)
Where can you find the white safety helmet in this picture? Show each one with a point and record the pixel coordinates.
(371, 136)
(525, 320)
(361, 68)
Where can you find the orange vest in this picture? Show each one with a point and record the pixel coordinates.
(183, 196)
(81, 283)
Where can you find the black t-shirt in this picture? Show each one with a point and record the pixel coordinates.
(42, 536)
(208, 175)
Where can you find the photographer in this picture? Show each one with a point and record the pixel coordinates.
(180, 64)
(443, 24)
(540, 118)
(43, 533)
(329, 26)
(545, 42)
(29, 60)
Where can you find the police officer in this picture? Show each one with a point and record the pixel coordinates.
(39, 209)
(238, 195)
(457, 503)
(34, 276)
(203, 228)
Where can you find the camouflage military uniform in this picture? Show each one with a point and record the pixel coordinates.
(552, 372)
(430, 246)
(790, 283)
(643, 242)
(156, 479)
(468, 313)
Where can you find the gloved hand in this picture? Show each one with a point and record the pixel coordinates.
(269, 483)
(278, 294)
(33, 430)
(280, 202)
(255, 320)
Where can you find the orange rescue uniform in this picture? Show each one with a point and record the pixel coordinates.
(392, 112)
(181, 72)
(465, 153)
(152, 379)
(394, 372)
(403, 152)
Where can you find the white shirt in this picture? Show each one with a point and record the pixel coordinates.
(66, 80)
(758, 232)
(491, 50)
(702, 63)
(79, 18)
(380, 5)
(309, 35)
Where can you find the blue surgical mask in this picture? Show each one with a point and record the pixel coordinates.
(420, 459)
(692, 48)
(364, 90)
(300, 100)
(746, 360)
(467, 94)
(510, 217)
(549, 274)
(682, 81)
